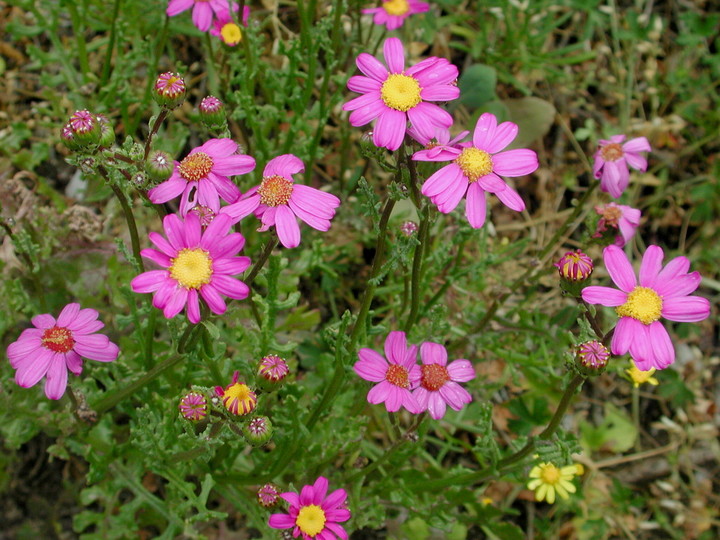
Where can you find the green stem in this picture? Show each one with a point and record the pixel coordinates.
(261, 261)
(153, 130)
(636, 416)
(111, 45)
(416, 282)
(79, 32)
(132, 226)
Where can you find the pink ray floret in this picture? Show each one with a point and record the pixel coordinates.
(612, 159)
(437, 381)
(394, 95)
(392, 13)
(55, 346)
(620, 217)
(660, 292)
(196, 264)
(476, 168)
(314, 514)
(278, 201)
(437, 145)
(393, 374)
(202, 178)
(203, 11)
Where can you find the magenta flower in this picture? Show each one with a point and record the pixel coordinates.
(312, 514)
(394, 375)
(279, 201)
(662, 292)
(55, 346)
(392, 13)
(395, 95)
(475, 168)
(437, 144)
(620, 217)
(226, 28)
(612, 159)
(196, 263)
(203, 10)
(202, 177)
(438, 381)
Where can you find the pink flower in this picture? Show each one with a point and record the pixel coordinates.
(392, 13)
(238, 397)
(662, 292)
(55, 346)
(195, 262)
(394, 95)
(619, 217)
(312, 514)
(202, 177)
(437, 144)
(279, 201)
(612, 160)
(475, 168)
(203, 10)
(394, 375)
(439, 381)
(225, 27)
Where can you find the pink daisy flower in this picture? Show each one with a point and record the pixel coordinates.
(55, 346)
(395, 95)
(196, 263)
(619, 217)
(392, 13)
(438, 381)
(475, 168)
(278, 202)
(202, 177)
(661, 293)
(203, 10)
(393, 376)
(612, 159)
(226, 28)
(313, 514)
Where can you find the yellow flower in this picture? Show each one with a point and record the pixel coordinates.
(547, 479)
(638, 377)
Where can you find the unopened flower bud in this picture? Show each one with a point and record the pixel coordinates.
(68, 138)
(169, 90)
(574, 268)
(268, 495)
(592, 357)
(258, 430)
(272, 370)
(107, 133)
(408, 228)
(193, 406)
(85, 127)
(159, 165)
(205, 213)
(212, 112)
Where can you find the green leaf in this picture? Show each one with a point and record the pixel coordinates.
(477, 85)
(533, 115)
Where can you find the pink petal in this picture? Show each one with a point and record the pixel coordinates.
(605, 296)
(686, 309)
(676, 267)
(362, 84)
(505, 133)
(285, 165)
(410, 403)
(421, 121)
(162, 244)
(641, 347)
(623, 336)
(380, 392)
(515, 162)
(650, 266)
(440, 93)
(287, 227)
(241, 209)
(679, 286)
(475, 206)
(484, 133)
(234, 165)
(444, 178)
(636, 161)
(178, 6)
(217, 148)
(176, 303)
(334, 500)
(281, 521)
(207, 196)
(74, 362)
(230, 287)
(394, 55)
(22, 349)
(461, 370)
(56, 381)
(168, 190)
(29, 373)
(433, 353)
(390, 129)
(157, 257)
(454, 395)
(371, 67)
(662, 347)
(337, 530)
(151, 281)
(436, 405)
(394, 400)
(448, 200)
(320, 486)
(193, 306)
(202, 16)
(175, 231)
(396, 347)
(371, 366)
(619, 268)
(511, 199)
(231, 267)
(639, 144)
(228, 191)
(43, 321)
(68, 314)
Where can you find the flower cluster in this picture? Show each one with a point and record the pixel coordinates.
(401, 382)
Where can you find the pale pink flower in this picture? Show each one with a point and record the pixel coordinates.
(475, 170)
(203, 10)
(392, 13)
(438, 381)
(435, 145)
(202, 177)
(226, 28)
(278, 202)
(313, 514)
(395, 95)
(197, 263)
(612, 159)
(393, 376)
(620, 217)
(661, 293)
(55, 346)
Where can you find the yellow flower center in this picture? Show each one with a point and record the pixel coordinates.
(397, 375)
(311, 520)
(549, 474)
(57, 339)
(275, 190)
(396, 7)
(196, 166)
(639, 377)
(231, 34)
(611, 215)
(239, 399)
(642, 304)
(474, 163)
(192, 268)
(612, 152)
(434, 376)
(400, 92)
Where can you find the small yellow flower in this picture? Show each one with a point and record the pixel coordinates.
(548, 479)
(638, 377)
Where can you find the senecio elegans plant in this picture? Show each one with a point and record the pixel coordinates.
(217, 381)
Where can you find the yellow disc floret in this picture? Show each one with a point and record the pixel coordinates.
(239, 399)
(275, 190)
(400, 92)
(196, 166)
(611, 152)
(643, 304)
(231, 34)
(311, 520)
(396, 7)
(192, 268)
(475, 163)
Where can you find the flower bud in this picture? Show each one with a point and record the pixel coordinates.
(592, 358)
(193, 406)
(107, 133)
(67, 136)
(159, 165)
(258, 430)
(271, 371)
(408, 228)
(204, 213)
(169, 90)
(85, 127)
(212, 112)
(268, 495)
(574, 268)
